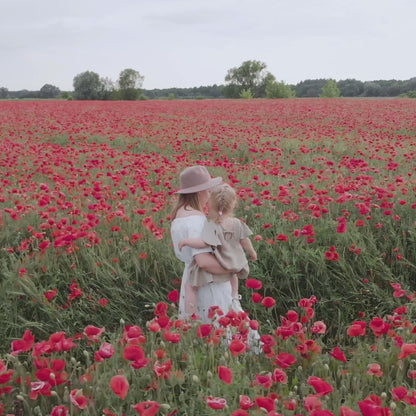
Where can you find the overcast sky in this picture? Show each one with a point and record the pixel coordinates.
(190, 43)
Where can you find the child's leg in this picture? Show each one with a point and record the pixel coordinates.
(234, 286)
(191, 296)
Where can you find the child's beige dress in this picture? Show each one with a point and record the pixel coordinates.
(227, 249)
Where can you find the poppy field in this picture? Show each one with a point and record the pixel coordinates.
(89, 280)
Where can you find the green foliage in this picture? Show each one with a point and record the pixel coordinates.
(330, 89)
(49, 91)
(279, 90)
(246, 94)
(249, 76)
(130, 81)
(87, 86)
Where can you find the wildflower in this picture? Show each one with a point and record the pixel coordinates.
(338, 354)
(254, 284)
(204, 330)
(225, 374)
(148, 408)
(120, 386)
(78, 399)
(103, 302)
(374, 370)
(372, 406)
(285, 360)
(321, 387)
(162, 369)
(173, 296)
(264, 380)
(279, 376)
(245, 402)
(406, 350)
(50, 294)
(60, 411)
(172, 337)
(399, 393)
(268, 302)
(356, 329)
(266, 403)
(216, 402)
(379, 326)
(106, 351)
(256, 297)
(93, 333)
(318, 327)
(312, 402)
(347, 411)
(23, 345)
(237, 347)
(136, 355)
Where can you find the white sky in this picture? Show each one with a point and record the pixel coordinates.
(190, 43)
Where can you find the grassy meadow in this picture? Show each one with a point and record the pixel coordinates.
(89, 280)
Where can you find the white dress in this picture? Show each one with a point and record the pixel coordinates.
(213, 294)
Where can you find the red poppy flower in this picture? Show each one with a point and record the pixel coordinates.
(50, 294)
(256, 297)
(120, 386)
(23, 345)
(254, 284)
(216, 402)
(268, 302)
(173, 296)
(172, 337)
(321, 387)
(321, 412)
(338, 354)
(245, 402)
(148, 408)
(285, 360)
(237, 347)
(406, 350)
(93, 333)
(204, 330)
(266, 403)
(356, 329)
(399, 393)
(225, 374)
(347, 411)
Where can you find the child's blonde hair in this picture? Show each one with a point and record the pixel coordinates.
(222, 201)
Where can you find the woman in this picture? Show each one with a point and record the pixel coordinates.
(188, 220)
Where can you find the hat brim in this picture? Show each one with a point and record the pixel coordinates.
(212, 183)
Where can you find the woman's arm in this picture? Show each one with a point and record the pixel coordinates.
(209, 263)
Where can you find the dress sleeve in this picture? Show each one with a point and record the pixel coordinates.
(244, 230)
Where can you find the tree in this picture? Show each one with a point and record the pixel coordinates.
(279, 90)
(249, 76)
(87, 86)
(4, 92)
(108, 89)
(130, 82)
(350, 87)
(49, 91)
(330, 89)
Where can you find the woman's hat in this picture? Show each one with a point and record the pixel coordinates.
(196, 179)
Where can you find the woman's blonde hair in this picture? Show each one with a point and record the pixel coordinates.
(222, 201)
(187, 200)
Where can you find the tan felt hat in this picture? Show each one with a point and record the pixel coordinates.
(195, 179)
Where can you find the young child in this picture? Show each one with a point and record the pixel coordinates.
(228, 238)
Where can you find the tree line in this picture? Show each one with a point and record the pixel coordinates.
(249, 80)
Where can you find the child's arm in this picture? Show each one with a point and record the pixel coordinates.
(192, 242)
(248, 248)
